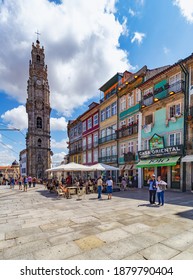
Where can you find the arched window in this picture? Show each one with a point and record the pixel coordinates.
(39, 122)
(38, 58)
(39, 142)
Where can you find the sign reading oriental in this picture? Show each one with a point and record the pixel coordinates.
(158, 149)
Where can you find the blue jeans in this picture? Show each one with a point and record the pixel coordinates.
(160, 197)
(99, 191)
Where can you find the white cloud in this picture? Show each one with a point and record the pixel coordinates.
(166, 50)
(59, 145)
(138, 37)
(6, 157)
(58, 158)
(58, 124)
(79, 46)
(186, 8)
(131, 12)
(17, 118)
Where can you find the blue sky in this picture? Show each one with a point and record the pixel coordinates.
(84, 47)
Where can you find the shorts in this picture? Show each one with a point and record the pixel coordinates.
(109, 189)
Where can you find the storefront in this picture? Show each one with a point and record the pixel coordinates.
(162, 161)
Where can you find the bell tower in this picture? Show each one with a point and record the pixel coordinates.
(38, 110)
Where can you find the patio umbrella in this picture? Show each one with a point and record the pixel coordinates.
(72, 166)
(102, 167)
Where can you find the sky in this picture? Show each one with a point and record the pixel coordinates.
(85, 43)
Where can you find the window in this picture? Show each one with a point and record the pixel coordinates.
(108, 112)
(102, 115)
(84, 143)
(108, 151)
(103, 133)
(39, 142)
(130, 120)
(84, 158)
(122, 123)
(123, 103)
(148, 119)
(103, 152)
(137, 146)
(174, 110)
(123, 149)
(138, 95)
(175, 78)
(95, 139)
(89, 123)
(75, 131)
(39, 122)
(89, 156)
(146, 144)
(175, 139)
(95, 159)
(38, 58)
(130, 146)
(148, 91)
(114, 150)
(114, 109)
(89, 142)
(84, 126)
(131, 100)
(95, 119)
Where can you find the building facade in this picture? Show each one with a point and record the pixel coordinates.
(38, 110)
(75, 140)
(90, 134)
(23, 162)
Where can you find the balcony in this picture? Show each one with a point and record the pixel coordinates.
(161, 93)
(128, 130)
(109, 94)
(90, 146)
(108, 138)
(75, 150)
(108, 159)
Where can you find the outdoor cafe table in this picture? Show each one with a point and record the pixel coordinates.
(72, 189)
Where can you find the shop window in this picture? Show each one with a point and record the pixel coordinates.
(175, 176)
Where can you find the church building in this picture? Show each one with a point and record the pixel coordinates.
(38, 110)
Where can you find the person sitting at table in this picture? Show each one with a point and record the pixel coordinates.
(64, 190)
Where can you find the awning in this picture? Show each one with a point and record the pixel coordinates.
(162, 161)
(188, 158)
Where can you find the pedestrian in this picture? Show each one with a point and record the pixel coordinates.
(34, 181)
(20, 183)
(124, 183)
(99, 187)
(109, 184)
(161, 187)
(12, 183)
(29, 181)
(25, 184)
(152, 189)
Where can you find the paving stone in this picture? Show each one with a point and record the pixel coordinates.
(180, 241)
(25, 248)
(7, 244)
(158, 252)
(58, 252)
(22, 232)
(136, 228)
(89, 242)
(113, 235)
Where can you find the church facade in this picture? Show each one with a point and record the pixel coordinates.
(38, 110)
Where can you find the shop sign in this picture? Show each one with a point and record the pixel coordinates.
(167, 151)
(156, 142)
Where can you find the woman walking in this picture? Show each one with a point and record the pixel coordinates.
(109, 187)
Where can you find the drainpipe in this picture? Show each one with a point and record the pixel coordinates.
(186, 110)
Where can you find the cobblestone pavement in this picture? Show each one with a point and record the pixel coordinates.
(38, 225)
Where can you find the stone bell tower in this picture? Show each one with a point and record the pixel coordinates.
(38, 110)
